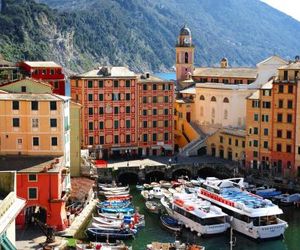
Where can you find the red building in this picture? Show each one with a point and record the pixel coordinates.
(50, 72)
(42, 182)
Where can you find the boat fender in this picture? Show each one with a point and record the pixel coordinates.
(192, 229)
(199, 234)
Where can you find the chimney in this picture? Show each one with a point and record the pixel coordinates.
(224, 63)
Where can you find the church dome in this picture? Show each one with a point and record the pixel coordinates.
(185, 31)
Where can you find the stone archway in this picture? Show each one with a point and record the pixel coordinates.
(155, 175)
(181, 172)
(128, 178)
(207, 172)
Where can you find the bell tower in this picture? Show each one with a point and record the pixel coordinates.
(184, 55)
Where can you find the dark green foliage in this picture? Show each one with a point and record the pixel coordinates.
(142, 33)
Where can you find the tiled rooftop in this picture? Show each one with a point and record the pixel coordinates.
(42, 64)
(226, 72)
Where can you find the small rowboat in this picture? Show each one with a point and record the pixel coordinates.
(147, 186)
(146, 195)
(153, 207)
(114, 188)
(154, 184)
(170, 223)
(165, 184)
(95, 233)
(108, 223)
(119, 198)
(111, 216)
(125, 210)
(102, 245)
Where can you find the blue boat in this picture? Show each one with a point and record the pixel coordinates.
(268, 193)
(95, 234)
(170, 223)
(114, 203)
(125, 210)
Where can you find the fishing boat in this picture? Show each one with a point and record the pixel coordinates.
(196, 214)
(174, 246)
(119, 197)
(108, 223)
(114, 188)
(153, 206)
(290, 199)
(102, 245)
(154, 184)
(96, 233)
(170, 223)
(139, 187)
(165, 184)
(250, 214)
(146, 195)
(147, 186)
(107, 228)
(122, 203)
(125, 210)
(110, 216)
(115, 193)
(156, 193)
(166, 192)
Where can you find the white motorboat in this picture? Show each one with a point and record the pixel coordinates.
(197, 214)
(251, 214)
(114, 188)
(153, 206)
(146, 194)
(156, 192)
(165, 184)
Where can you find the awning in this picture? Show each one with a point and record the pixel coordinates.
(168, 147)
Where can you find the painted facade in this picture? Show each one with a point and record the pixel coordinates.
(49, 72)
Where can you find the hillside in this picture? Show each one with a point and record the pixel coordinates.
(142, 33)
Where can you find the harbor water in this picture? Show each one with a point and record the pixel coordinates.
(154, 232)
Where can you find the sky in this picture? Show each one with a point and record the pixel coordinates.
(290, 7)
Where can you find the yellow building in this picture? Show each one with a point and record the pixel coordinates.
(34, 124)
(75, 138)
(227, 143)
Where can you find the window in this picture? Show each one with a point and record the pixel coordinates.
(265, 118)
(32, 193)
(266, 105)
(90, 97)
(186, 57)
(145, 124)
(266, 92)
(154, 87)
(238, 81)
(56, 85)
(279, 133)
(166, 111)
(91, 126)
(101, 111)
(91, 111)
(225, 81)
(101, 139)
(44, 72)
(90, 84)
(215, 80)
(280, 104)
(23, 89)
(154, 112)
(166, 136)
(116, 124)
(221, 139)
(154, 124)
(289, 118)
(128, 109)
(20, 141)
(127, 96)
(290, 104)
(101, 125)
(226, 100)
(166, 123)
(278, 147)
(280, 88)
(285, 75)
(127, 138)
(154, 99)
(202, 98)
(32, 177)
(127, 123)
(100, 84)
(53, 105)
(289, 134)
(53, 123)
(236, 142)
(225, 114)
(290, 89)
(255, 154)
(145, 99)
(116, 83)
(213, 99)
(266, 131)
(116, 110)
(243, 144)
(266, 144)
(288, 148)
(116, 96)
(127, 83)
(279, 117)
(35, 122)
(255, 143)
(255, 131)
(101, 97)
(154, 137)
(91, 140)
(229, 141)
(34, 105)
(15, 105)
(166, 99)
(35, 141)
(144, 112)
(16, 122)
(255, 104)
(145, 137)
(54, 141)
(144, 86)
(256, 117)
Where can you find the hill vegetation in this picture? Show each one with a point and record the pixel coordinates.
(80, 34)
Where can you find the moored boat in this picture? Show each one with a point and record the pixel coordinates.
(174, 246)
(153, 206)
(125, 210)
(290, 199)
(102, 245)
(95, 234)
(170, 223)
(251, 214)
(114, 188)
(156, 193)
(146, 195)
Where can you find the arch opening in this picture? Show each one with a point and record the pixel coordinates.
(155, 176)
(35, 212)
(179, 173)
(128, 178)
(208, 172)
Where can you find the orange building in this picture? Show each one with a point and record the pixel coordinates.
(155, 115)
(43, 183)
(111, 101)
(272, 121)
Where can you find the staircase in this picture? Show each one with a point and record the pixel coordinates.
(193, 147)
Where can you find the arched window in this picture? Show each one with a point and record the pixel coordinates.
(201, 111)
(226, 100)
(202, 98)
(213, 113)
(225, 114)
(186, 57)
(213, 99)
